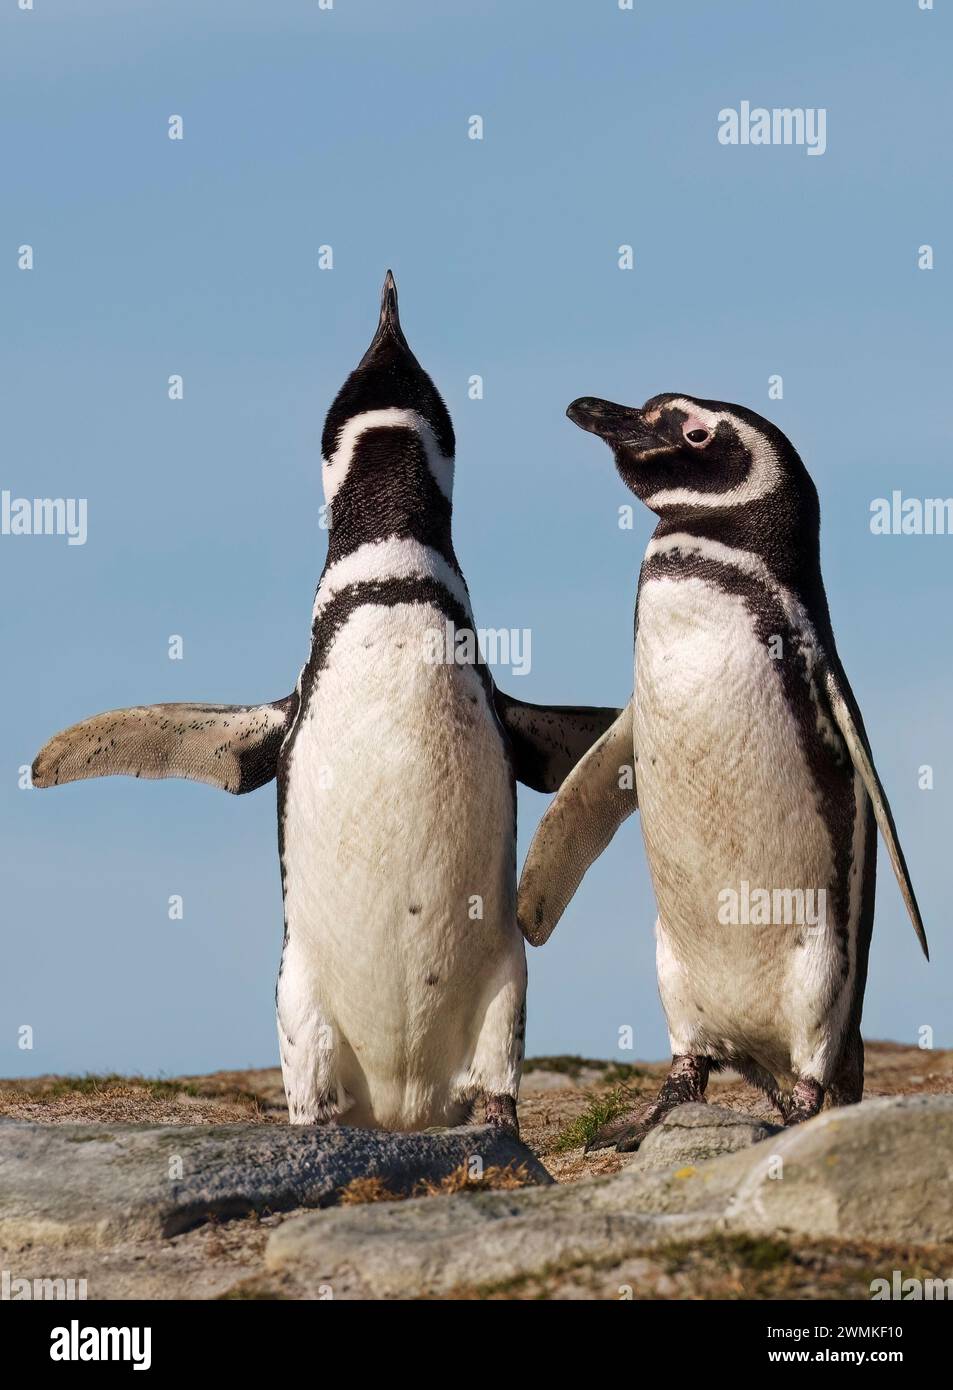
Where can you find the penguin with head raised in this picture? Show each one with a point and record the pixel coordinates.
(402, 944)
(753, 774)
(401, 989)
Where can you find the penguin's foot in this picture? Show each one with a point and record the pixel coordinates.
(500, 1112)
(627, 1133)
(685, 1083)
(806, 1100)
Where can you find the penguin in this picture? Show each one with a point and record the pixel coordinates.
(402, 980)
(744, 750)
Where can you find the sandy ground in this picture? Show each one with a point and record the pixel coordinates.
(224, 1260)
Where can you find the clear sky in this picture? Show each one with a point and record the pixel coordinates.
(348, 127)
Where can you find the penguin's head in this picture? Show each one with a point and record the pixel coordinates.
(681, 455)
(388, 442)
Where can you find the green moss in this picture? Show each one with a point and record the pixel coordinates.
(762, 1252)
(566, 1064)
(750, 1252)
(617, 1073)
(250, 1291)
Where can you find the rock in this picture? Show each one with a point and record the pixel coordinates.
(696, 1132)
(90, 1183)
(878, 1171)
(542, 1081)
(433, 1245)
(539, 1083)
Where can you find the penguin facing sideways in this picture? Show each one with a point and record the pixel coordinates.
(401, 988)
(753, 774)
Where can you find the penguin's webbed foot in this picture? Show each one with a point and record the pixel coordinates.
(685, 1083)
(500, 1112)
(626, 1133)
(806, 1100)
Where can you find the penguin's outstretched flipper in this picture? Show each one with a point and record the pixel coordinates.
(234, 747)
(547, 741)
(596, 797)
(847, 718)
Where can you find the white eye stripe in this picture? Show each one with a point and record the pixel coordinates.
(764, 472)
(696, 416)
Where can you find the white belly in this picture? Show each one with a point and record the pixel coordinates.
(399, 870)
(728, 807)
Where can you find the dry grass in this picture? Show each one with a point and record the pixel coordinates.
(497, 1178)
(361, 1191)
(221, 1098)
(92, 1084)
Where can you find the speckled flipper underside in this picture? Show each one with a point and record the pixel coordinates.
(597, 796)
(547, 741)
(234, 747)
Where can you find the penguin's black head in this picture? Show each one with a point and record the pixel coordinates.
(388, 377)
(388, 444)
(682, 456)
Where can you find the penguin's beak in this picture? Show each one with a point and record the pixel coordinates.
(388, 326)
(390, 317)
(616, 424)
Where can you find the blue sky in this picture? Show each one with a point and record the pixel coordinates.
(348, 127)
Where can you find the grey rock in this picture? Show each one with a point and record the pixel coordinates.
(540, 1083)
(432, 1245)
(880, 1171)
(92, 1183)
(696, 1132)
(535, 1083)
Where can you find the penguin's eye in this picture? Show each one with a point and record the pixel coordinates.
(696, 436)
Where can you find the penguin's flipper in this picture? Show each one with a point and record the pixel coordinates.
(594, 800)
(847, 718)
(547, 741)
(234, 747)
